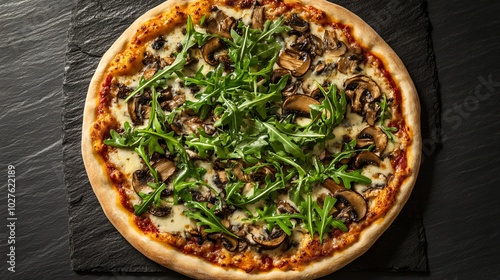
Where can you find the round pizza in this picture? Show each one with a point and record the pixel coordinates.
(242, 139)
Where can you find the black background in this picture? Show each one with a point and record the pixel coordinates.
(459, 204)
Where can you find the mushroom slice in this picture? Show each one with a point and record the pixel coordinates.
(356, 201)
(298, 24)
(365, 158)
(165, 168)
(332, 186)
(332, 44)
(371, 110)
(317, 45)
(258, 17)
(372, 135)
(161, 211)
(134, 111)
(299, 104)
(221, 24)
(209, 49)
(302, 43)
(270, 243)
(297, 62)
(361, 89)
(229, 242)
(285, 207)
(140, 180)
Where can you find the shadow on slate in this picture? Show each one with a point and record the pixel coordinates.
(97, 247)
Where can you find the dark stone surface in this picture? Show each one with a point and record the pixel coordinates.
(94, 242)
(458, 190)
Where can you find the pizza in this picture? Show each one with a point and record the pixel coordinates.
(242, 139)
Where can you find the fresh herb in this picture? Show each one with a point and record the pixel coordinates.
(206, 217)
(385, 114)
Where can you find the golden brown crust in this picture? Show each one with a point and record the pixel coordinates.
(197, 267)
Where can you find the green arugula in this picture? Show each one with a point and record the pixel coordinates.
(385, 114)
(206, 217)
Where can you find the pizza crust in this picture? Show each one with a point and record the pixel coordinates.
(196, 267)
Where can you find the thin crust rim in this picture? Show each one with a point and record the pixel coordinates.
(190, 265)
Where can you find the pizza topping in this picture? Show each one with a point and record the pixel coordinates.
(361, 90)
(372, 135)
(210, 49)
(272, 241)
(261, 140)
(299, 104)
(365, 158)
(298, 24)
(334, 46)
(297, 62)
(357, 207)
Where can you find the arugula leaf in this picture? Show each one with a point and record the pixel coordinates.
(279, 140)
(324, 220)
(148, 199)
(269, 215)
(206, 217)
(348, 177)
(386, 114)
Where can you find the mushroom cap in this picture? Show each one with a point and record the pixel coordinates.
(332, 186)
(298, 24)
(209, 49)
(299, 104)
(365, 158)
(372, 135)
(270, 243)
(229, 242)
(297, 62)
(356, 201)
(165, 168)
(361, 89)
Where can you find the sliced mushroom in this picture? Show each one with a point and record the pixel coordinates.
(297, 62)
(258, 17)
(285, 207)
(332, 44)
(372, 135)
(209, 49)
(298, 24)
(134, 111)
(165, 168)
(332, 186)
(355, 201)
(371, 109)
(349, 62)
(301, 43)
(260, 174)
(229, 242)
(361, 90)
(365, 158)
(299, 104)
(140, 180)
(161, 211)
(221, 24)
(317, 45)
(270, 243)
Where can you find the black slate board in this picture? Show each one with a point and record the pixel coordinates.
(97, 247)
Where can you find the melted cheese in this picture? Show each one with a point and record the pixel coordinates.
(175, 222)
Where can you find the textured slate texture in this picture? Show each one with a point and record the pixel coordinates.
(32, 47)
(94, 242)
